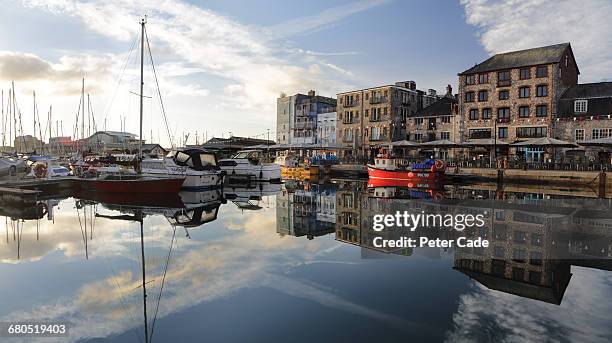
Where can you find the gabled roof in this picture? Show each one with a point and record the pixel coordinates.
(442, 107)
(522, 58)
(589, 90)
(117, 133)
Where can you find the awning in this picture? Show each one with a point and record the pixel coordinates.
(546, 142)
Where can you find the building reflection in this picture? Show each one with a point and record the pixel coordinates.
(535, 238)
(304, 209)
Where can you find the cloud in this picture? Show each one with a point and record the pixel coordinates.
(321, 20)
(486, 315)
(512, 25)
(65, 75)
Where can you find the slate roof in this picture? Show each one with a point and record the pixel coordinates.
(589, 90)
(521, 58)
(441, 107)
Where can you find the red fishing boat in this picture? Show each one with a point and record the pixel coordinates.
(387, 169)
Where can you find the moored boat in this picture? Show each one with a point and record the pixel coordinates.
(391, 169)
(250, 164)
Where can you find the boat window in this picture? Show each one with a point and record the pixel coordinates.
(171, 154)
(208, 160)
(182, 157)
(241, 155)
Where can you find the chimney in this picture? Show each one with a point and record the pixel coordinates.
(449, 91)
(432, 92)
(311, 93)
(407, 84)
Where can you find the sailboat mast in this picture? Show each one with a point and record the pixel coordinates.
(83, 112)
(142, 28)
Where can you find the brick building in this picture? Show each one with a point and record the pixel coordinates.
(513, 96)
(370, 117)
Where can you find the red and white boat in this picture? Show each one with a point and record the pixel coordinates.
(389, 171)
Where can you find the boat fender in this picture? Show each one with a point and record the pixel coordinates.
(233, 171)
(12, 171)
(260, 174)
(433, 169)
(439, 164)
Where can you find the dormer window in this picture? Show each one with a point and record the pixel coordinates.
(580, 106)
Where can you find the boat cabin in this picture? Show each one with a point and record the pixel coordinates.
(385, 162)
(196, 159)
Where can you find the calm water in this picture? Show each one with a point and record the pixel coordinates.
(296, 263)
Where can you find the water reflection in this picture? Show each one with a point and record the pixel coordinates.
(243, 239)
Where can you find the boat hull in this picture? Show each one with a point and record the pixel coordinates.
(404, 178)
(268, 172)
(140, 185)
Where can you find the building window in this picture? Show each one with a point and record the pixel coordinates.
(524, 92)
(524, 111)
(418, 137)
(520, 237)
(525, 73)
(446, 120)
(473, 114)
(483, 78)
(486, 113)
(499, 232)
(480, 133)
(542, 90)
(580, 106)
(503, 113)
(541, 111)
(536, 258)
(418, 121)
(519, 255)
(534, 277)
(518, 273)
(504, 95)
(502, 132)
(483, 95)
(601, 133)
(445, 135)
(542, 71)
(375, 134)
(470, 79)
(579, 134)
(536, 239)
(503, 78)
(469, 97)
(499, 251)
(530, 132)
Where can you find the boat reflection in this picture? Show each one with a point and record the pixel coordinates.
(250, 195)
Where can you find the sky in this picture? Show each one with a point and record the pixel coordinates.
(221, 64)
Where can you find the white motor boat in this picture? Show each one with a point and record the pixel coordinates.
(11, 166)
(46, 167)
(249, 164)
(198, 166)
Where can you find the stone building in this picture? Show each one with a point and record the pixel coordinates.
(585, 113)
(296, 117)
(28, 144)
(368, 118)
(438, 121)
(513, 96)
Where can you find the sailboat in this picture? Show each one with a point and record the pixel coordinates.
(136, 184)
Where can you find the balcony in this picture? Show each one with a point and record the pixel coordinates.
(353, 103)
(379, 138)
(349, 121)
(305, 125)
(378, 100)
(503, 120)
(375, 118)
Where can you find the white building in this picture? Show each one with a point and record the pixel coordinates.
(326, 128)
